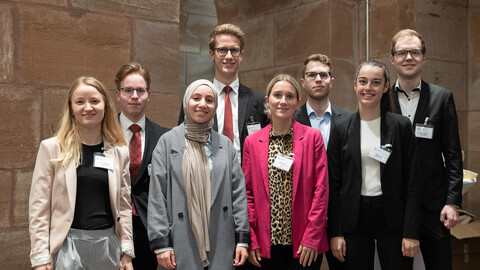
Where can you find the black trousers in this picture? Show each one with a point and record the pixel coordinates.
(144, 257)
(360, 244)
(435, 242)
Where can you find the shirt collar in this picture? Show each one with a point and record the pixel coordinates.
(126, 123)
(419, 87)
(328, 111)
(234, 85)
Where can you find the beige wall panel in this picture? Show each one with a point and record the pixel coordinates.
(7, 64)
(21, 195)
(6, 198)
(15, 247)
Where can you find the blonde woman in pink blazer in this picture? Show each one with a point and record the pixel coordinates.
(79, 208)
(285, 167)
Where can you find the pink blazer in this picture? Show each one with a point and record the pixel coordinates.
(52, 199)
(310, 189)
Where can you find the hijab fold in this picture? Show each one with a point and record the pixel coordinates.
(196, 172)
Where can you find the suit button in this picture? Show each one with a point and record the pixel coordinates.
(118, 218)
(180, 215)
(225, 208)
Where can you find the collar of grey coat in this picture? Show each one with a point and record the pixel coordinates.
(219, 161)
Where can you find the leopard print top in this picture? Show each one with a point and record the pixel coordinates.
(281, 190)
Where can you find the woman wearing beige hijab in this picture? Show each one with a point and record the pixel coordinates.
(197, 205)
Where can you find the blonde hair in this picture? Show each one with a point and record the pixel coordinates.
(275, 80)
(407, 32)
(226, 29)
(68, 135)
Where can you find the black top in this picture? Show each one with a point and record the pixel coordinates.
(92, 205)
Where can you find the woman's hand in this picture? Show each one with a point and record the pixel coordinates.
(167, 259)
(338, 247)
(126, 262)
(410, 247)
(254, 257)
(47, 266)
(307, 255)
(241, 255)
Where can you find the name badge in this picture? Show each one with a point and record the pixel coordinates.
(253, 127)
(103, 162)
(424, 131)
(149, 169)
(283, 162)
(380, 153)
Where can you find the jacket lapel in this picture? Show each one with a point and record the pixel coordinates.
(147, 155)
(354, 133)
(71, 183)
(112, 177)
(297, 140)
(218, 170)
(176, 155)
(263, 154)
(421, 111)
(386, 136)
(242, 107)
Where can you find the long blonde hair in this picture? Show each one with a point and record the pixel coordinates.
(68, 135)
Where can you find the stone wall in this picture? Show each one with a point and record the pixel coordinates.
(44, 46)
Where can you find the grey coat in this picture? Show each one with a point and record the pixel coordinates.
(168, 220)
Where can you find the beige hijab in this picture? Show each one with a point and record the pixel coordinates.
(196, 172)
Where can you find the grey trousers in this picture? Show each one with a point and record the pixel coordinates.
(89, 249)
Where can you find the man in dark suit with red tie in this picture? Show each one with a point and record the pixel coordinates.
(431, 109)
(133, 92)
(240, 109)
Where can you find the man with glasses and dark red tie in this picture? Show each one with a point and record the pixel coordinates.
(133, 93)
(431, 109)
(240, 109)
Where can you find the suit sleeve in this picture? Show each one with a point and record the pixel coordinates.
(252, 217)
(452, 153)
(158, 220)
(335, 176)
(317, 215)
(40, 205)
(125, 204)
(411, 226)
(239, 201)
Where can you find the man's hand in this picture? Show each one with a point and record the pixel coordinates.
(449, 216)
(167, 259)
(410, 247)
(338, 247)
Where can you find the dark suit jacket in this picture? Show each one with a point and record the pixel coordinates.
(141, 183)
(338, 114)
(250, 109)
(399, 177)
(441, 181)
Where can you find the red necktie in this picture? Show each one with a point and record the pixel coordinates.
(227, 118)
(135, 154)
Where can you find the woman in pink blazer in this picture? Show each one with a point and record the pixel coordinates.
(79, 208)
(286, 174)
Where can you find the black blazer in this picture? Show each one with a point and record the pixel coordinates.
(399, 177)
(250, 109)
(441, 181)
(338, 114)
(141, 183)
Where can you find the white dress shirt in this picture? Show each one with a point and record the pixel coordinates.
(321, 123)
(408, 104)
(369, 138)
(221, 110)
(127, 133)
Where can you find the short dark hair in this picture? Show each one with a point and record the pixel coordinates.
(132, 67)
(318, 58)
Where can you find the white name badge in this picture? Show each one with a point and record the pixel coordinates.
(283, 162)
(103, 162)
(149, 169)
(380, 154)
(424, 131)
(253, 127)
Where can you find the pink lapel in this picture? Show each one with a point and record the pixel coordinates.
(297, 139)
(263, 154)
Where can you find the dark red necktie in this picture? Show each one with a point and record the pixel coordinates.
(227, 118)
(135, 154)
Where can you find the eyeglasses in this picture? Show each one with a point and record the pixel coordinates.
(128, 91)
(313, 75)
(401, 54)
(222, 51)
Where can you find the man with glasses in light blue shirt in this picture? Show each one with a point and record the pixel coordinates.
(318, 112)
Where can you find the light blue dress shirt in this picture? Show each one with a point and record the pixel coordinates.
(321, 123)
